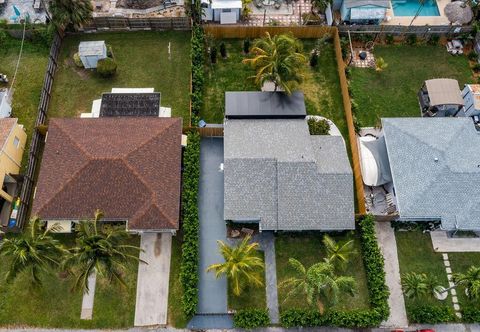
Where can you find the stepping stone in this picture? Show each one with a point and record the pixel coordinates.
(454, 299)
(451, 284)
(445, 257)
(446, 263)
(449, 277)
(453, 292)
(449, 270)
(456, 307)
(459, 315)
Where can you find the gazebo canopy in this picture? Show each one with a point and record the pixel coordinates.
(444, 91)
(458, 12)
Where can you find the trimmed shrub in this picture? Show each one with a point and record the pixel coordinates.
(434, 39)
(246, 46)
(106, 67)
(411, 39)
(378, 291)
(198, 76)
(389, 39)
(476, 68)
(431, 314)
(190, 226)
(251, 318)
(223, 50)
(472, 56)
(318, 126)
(471, 313)
(76, 59)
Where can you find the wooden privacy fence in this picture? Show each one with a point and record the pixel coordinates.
(242, 31)
(400, 29)
(134, 24)
(211, 131)
(352, 137)
(26, 195)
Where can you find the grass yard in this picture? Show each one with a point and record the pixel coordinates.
(415, 254)
(321, 85)
(29, 79)
(143, 62)
(308, 249)
(251, 296)
(460, 262)
(55, 306)
(176, 317)
(393, 92)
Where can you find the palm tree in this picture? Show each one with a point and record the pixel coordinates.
(32, 253)
(318, 283)
(416, 285)
(338, 253)
(380, 64)
(242, 265)
(470, 280)
(320, 5)
(70, 13)
(99, 251)
(278, 59)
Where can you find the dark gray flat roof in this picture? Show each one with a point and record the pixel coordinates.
(130, 104)
(264, 105)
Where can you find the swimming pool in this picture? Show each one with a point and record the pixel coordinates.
(410, 8)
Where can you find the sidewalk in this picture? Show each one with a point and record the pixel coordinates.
(388, 246)
(442, 243)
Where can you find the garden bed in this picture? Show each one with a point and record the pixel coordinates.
(393, 92)
(143, 62)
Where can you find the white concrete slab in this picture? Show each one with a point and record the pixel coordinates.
(442, 243)
(88, 298)
(152, 282)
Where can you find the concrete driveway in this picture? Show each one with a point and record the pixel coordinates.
(152, 283)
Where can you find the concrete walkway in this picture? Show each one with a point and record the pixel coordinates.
(267, 242)
(212, 291)
(152, 282)
(388, 246)
(442, 243)
(89, 297)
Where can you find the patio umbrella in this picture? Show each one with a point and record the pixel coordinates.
(458, 12)
(16, 10)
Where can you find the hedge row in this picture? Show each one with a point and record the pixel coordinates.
(470, 313)
(378, 291)
(431, 314)
(189, 267)
(251, 318)
(198, 77)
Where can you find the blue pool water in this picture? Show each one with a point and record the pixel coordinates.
(410, 8)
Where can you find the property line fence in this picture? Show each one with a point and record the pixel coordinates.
(137, 24)
(242, 31)
(423, 30)
(211, 131)
(36, 145)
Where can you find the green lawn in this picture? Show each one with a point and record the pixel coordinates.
(56, 306)
(251, 296)
(393, 92)
(308, 249)
(415, 254)
(321, 85)
(29, 79)
(143, 62)
(460, 262)
(176, 317)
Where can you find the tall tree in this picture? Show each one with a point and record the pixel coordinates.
(318, 283)
(99, 251)
(278, 59)
(242, 265)
(338, 253)
(32, 253)
(470, 280)
(70, 13)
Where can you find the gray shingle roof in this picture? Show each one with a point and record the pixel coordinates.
(275, 172)
(435, 168)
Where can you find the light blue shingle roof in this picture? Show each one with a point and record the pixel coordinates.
(435, 164)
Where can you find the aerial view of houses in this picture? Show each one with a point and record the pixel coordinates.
(240, 164)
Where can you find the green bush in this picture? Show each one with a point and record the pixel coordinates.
(198, 76)
(434, 39)
(189, 266)
(251, 318)
(472, 56)
(411, 39)
(106, 67)
(378, 292)
(3, 37)
(318, 126)
(314, 58)
(246, 46)
(389, 39)
(76, 59)
(470, 313)
(430, 314)
(223, 50)
(476, 67)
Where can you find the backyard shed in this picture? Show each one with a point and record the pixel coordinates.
(364, 11)
(440, 97)
(92, 51)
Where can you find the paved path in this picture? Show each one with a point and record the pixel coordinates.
(152, 282)
(212, 292)
(267, 242)
(388, 246)
(442, 243)
(89, 297)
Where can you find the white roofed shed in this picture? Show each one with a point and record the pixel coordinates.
(92, 51)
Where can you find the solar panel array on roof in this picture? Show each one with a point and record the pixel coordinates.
(264, 105)
(130, 104)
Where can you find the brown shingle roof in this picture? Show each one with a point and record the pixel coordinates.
(127, 167)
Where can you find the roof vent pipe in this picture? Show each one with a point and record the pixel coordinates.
(436, 160)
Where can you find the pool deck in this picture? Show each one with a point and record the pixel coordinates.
(420, 20)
